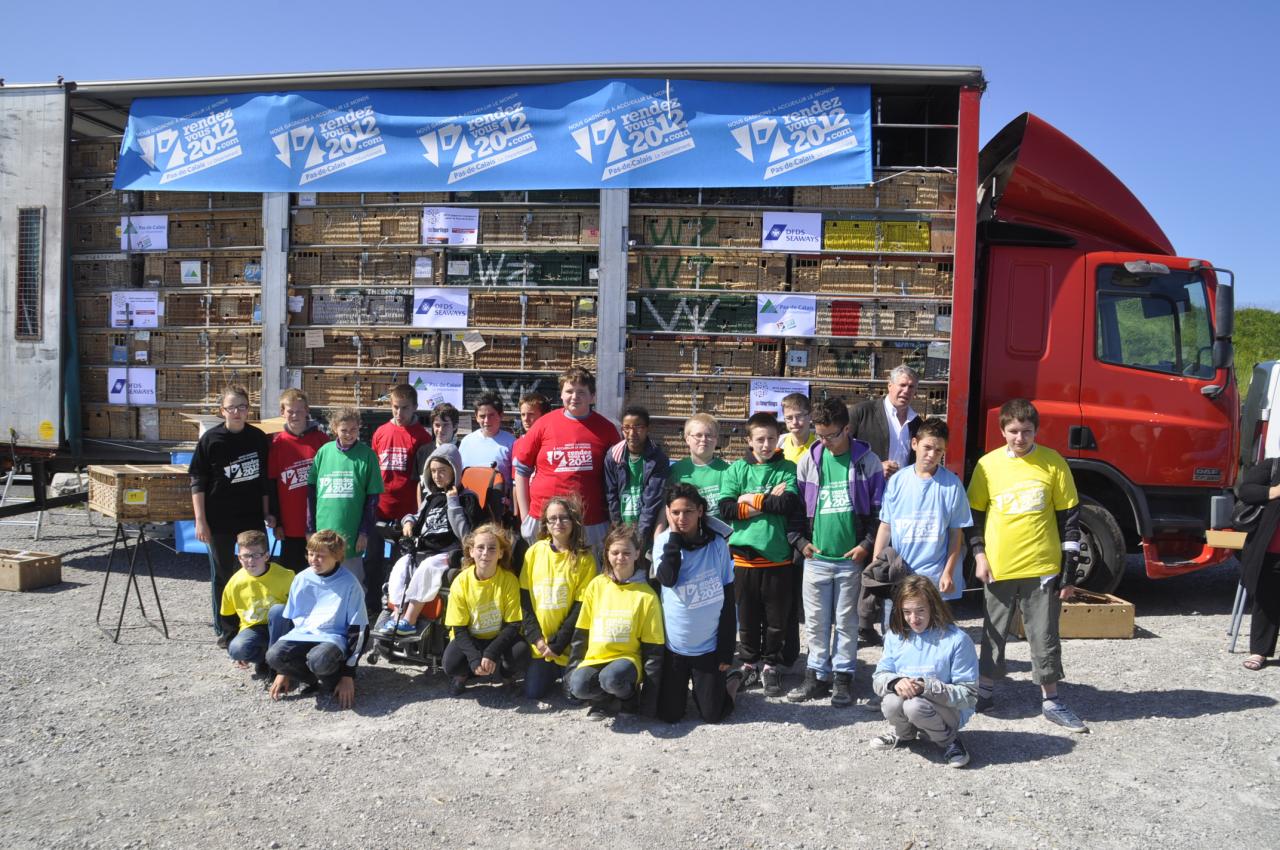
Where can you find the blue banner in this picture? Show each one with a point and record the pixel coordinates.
(635, 133)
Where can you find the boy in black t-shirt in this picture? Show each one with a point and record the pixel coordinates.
(229, 489)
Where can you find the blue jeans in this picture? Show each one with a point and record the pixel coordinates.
(251, 644)
(830, 591)
(592, 682)
(540, 676)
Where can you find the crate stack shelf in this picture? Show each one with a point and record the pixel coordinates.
(354, 262)
(882, 282)
(209, 332)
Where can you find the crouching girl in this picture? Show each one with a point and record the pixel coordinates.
(928, 674)
(484, 613)
(616, 655)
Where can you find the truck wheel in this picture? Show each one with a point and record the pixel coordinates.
(1101, 548)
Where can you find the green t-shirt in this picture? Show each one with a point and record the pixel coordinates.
(631, 495)
(835, 528)
(343, 482)
(706, 477)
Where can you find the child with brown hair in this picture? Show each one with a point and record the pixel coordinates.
(325, 622)
(615, 662)
(928, 674)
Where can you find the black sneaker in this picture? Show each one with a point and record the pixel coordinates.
(956, 755)
(984, 704)
(604, 708)
(750, 676)
(457, 684)
(842, 693)
(223, 641)
(869, 637)
(262, 670)
(810, 688)
(771, 681)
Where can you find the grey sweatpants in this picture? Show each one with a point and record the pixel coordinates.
(1040, 608)
(938, 722)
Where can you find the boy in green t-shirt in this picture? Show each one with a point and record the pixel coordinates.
(344, 487)
(635, 476)
(701, 468)
(1026, 545)
(758, 498)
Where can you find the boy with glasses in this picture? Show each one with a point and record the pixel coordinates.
(842, 482)
(701, 468)
(252, 604)
(230, 491)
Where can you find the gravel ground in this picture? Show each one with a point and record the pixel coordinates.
(162, 743)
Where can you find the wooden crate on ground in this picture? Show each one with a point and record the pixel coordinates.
(23, 570)
(141, 493)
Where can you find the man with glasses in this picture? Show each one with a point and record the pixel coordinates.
(842, 482)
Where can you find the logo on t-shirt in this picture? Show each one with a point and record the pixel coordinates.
(394, 459)
(917, 528)
(243, 468)
(340, 484)
(613, 625)
(572, 457)
(298, 475)
(704, 590)
(1028, 498)
(436, 521)
(485, 618)
(552, 595)
(834, 498)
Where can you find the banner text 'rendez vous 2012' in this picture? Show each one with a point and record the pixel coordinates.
(635, 133)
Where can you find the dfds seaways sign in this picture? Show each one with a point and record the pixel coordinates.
(590, 134)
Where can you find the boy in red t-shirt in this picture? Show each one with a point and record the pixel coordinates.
(564, 453)
(402, 446)
(289, 466)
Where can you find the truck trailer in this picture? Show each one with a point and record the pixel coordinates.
(132, 288)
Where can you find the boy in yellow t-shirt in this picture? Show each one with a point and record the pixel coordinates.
(253, 604)
(1026, 545)
(619, 639)
(797, 416)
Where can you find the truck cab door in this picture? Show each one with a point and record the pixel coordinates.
(1148, 403)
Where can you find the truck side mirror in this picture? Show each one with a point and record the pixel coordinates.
(1224, 312)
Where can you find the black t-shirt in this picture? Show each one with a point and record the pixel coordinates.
(231, 470)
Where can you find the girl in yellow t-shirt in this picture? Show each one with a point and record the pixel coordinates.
(618, 642)
(556, 571)
(484, 613)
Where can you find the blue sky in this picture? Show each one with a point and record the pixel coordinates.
(1170, 96)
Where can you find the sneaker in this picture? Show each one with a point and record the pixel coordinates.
(604, 708)
(223, 641)
(956, 755)
(262, 670)
(1057, 712)
(842, 693)
(810, 688)
(733, 683)
(869, 637)
(984, 704)
(889, 740)
(771, 681)
(403, 628)
(750, 675)
(457, 684)
(387, 627)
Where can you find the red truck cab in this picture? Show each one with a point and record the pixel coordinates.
(1124, 347)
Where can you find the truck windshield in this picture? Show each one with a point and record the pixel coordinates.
(1156, 323)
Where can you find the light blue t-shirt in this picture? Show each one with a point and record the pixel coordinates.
(479, 450)
(322, 607)
(947, 655)
(691, 609)
(921, 513)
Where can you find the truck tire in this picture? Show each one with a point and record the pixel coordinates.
(1102, 550)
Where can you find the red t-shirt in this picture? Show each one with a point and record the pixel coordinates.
(289, 464)
(397, 449)
(567, 457)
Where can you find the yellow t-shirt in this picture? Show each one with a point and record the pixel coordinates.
(555, 580)
(619, 617)
(483, 606)
(792, 450)
(251, 597)
(1021, 496)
